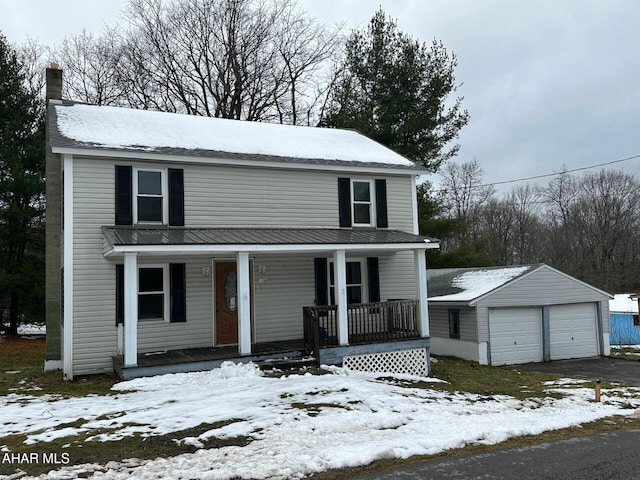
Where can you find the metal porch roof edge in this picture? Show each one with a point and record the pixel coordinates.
(199, 239)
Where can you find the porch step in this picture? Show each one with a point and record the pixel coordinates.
(285, 363)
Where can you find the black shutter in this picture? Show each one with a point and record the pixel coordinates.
(344, 202)
(176, 197)
(119, 295)
(381, 203)
(124, 208)
(177, 289)
(320, 270)
(374, 279)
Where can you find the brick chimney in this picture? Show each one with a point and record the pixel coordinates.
(54, 82)
(53, 227)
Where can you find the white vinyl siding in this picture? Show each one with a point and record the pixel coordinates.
(278, 198)
(286, 286)
(94, 295)
(217, 196)
(197, 331)
(397, 276)
(439, 321)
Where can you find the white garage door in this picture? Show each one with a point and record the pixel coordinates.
(573, 331)
(515, 335)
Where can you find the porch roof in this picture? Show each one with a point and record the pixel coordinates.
(120, 240)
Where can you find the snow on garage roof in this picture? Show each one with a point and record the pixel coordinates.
(622, 302)
(105, 127)
(466, 284)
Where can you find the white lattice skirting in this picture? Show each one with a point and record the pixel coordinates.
(413, 362)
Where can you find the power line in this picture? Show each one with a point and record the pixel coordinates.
(546, 175)
(533, 177)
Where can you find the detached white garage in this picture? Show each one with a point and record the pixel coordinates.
(518, 314)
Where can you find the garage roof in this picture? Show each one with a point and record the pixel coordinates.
(623, 303)
(467, 285)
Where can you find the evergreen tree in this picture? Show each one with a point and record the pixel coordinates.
(21, 191)
(395, 89)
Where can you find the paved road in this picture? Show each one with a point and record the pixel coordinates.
(612, 456)
(604, 368)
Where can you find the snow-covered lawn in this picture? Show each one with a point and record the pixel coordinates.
(32, 329)
(297, 424)
(629, 351)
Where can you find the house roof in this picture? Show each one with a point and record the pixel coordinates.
(128, 239)
(76, 126)
(467, 284)
(623, 303)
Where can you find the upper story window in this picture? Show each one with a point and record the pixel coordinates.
(150, 194)
(362, 202)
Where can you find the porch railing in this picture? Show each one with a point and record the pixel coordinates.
(367, 323)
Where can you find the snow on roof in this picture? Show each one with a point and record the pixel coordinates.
(623, 303)
(146, 130)
(474, 283)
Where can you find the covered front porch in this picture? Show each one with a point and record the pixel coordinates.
(340, 328)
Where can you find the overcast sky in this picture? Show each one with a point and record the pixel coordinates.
(546, 82)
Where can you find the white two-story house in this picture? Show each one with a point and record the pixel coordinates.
(175, 242)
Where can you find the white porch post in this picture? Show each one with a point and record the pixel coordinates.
(340, 284)
(130, 310)
(421, 292)
(244, 304)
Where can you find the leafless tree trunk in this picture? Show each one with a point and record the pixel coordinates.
(464, 196)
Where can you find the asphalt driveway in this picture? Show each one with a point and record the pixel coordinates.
(603, 368)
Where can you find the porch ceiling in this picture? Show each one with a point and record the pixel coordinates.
(120, 240)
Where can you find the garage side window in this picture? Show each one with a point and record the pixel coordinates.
(454, 323)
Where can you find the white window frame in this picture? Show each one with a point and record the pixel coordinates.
(164, 195)
(165, 291)
(364, 276)
(371, 203)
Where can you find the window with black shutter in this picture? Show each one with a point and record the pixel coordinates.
(161, 293)
(149, 196)
(362, 203)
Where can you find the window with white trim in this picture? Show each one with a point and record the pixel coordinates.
(362, 202)
(153, 297)
(150, 192)
(355, 285)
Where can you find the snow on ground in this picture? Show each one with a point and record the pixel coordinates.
(630, 350)
(32, 329)
(298, 424)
